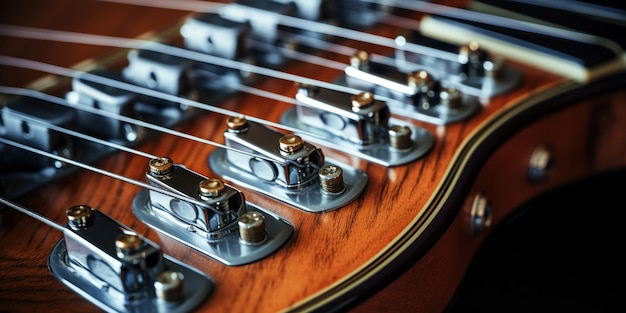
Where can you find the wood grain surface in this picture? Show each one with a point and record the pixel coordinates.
(333, 257)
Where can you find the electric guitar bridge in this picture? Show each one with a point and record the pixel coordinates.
(208, 215)
(284, 167)
(474, 71)
(357, 124)
(418, 94)
(118, 270)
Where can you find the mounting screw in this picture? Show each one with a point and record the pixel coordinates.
(252, 228)
(540, 163)
(400, 137)
(480, 214)
(168, 286)
(331, 179)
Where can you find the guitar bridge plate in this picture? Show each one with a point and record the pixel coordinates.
(307, 198)
(379, 152)
(229, 249)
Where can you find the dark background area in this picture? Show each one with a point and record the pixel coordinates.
(565, 253)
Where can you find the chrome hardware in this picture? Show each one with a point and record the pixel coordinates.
(281, 166)
(109, 99)
(264, 18)
(213, 34)
(118, 270)
(417, 94)
(212, 229)
(475, 71)
(159, 71)
(357, 124)
(481, 214)
(540, 163)
(26, 122)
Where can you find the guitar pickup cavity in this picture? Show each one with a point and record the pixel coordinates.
(208, 215)
(119, 271)
(417, 95)
(357, 124)
(284, 167)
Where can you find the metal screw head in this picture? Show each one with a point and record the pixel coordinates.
(252, 228)
(400, 137)
(126, 244)
(162, 166)
(211, 187)
(481, 214)
(420, 81)
(169, 285)
(540, 163)
(360, 59)
(290, 143)
(237, 123)
(331, 179)
(79, 216)
(362, 100)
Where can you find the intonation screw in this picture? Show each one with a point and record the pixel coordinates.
(211, 187)
(168, 286)
(252, 228)
(362, 100)
(290, 143)
(161, 167)
(126, 244)
(331, 179)
(360, 60)
(237, 123)
(400, 137)
(79, 216)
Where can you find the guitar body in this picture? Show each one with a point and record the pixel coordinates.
(404, 244)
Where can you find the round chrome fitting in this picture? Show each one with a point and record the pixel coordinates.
(331, 179)
(252, 228)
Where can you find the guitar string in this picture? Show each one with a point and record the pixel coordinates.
(106, 173)
(12, 61)
(297, 23)
(32, 214)
(413, 5)
(39, 95)
(53, 69)
(128, 43)
(61, 101)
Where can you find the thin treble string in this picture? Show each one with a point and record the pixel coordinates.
(32, 214)
(60, 101)
(101, 171)
(129, 43)
(298, 23)
(53, 69)
(38, 95)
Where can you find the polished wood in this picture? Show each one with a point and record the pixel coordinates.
(330, 252)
